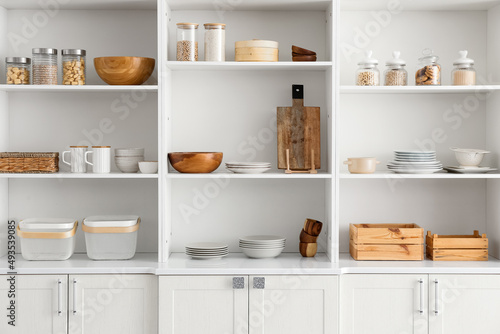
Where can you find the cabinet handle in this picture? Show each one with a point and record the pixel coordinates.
(238, 282)
(436, 297)
(59, 297)
(259, 282)
(421, 284)
(74, 296)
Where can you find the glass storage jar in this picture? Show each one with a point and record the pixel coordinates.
(17, 70)
(395, 74)
(73, 66)
(428, 70)
(463, 73)
(44, 69)
(368, 73)
(215, 42)
(187, 46)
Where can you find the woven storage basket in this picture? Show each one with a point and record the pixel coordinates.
(29, 162)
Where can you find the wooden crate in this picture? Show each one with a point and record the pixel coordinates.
(457, 247)
(393, 242)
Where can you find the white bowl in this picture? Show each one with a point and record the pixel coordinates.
(128, 164)
(262, 253)
(129, 152)
(148, 167)
(467, 157)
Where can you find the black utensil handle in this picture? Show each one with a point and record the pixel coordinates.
(298, 92)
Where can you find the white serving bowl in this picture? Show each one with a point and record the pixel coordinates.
(148, 167)
(468, 157)
(129, 152)
(128, 164)
(262, 253)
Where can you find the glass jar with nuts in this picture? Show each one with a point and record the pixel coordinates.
(368, 73)
(395, 74)
(17, 70)
(44, 66)
(428, 71)
(73, 67)
(187, 46)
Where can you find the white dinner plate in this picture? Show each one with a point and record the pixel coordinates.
(206, 245)
(415, 171)
(247, 163)
(252, 238)
(478, 170)
(248, 170)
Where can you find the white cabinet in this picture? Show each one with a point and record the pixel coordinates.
(40, 304)
(242, 304)
(465, 304)
(385, 304)
(113, 304)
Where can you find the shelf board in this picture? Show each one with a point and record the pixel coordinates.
(293, 5)
(271, 175)
(240, 264)
(83, 4)
(142, 263)
(76, 89)
(67, 175)
(421, 5)
(249, 66)
(478, 89)
(438, 175)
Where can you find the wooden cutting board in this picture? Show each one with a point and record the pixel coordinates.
(299, 131)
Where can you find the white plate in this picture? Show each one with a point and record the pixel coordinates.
(478, 170)
(415, 171)
(249, 170)
(253, 238)
(206, 257)
(249, 165)
(413, 162)
(206, 245)
(413, 152)
(261, 247)
(207, 251)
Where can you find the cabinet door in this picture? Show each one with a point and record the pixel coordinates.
(293, 304)
(203, 304)
(113, 304)
(383, 304)
(40, 303)
(465, 304)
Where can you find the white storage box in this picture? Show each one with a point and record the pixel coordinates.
(111, 237)
(47, 238)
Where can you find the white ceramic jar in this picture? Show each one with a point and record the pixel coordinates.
(463, 73)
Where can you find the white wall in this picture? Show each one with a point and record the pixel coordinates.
(4, 137)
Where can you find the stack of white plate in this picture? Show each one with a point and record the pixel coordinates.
(207, 250)
(414, 162)
(248, 167)
(262, 246)
(127, 159)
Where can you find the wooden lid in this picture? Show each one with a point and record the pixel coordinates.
(187, 25)
(101, 146)
(215, 26)
(78, 146)
(259, 43)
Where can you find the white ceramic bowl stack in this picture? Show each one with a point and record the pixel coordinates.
(262, 246)
(207, 250)
(414, 162)
(127, 159)
(248, 167)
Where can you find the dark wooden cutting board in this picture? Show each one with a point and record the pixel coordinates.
(299, 131)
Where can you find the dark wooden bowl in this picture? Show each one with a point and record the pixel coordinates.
(124, 70)
(195, 162)
(304, 237)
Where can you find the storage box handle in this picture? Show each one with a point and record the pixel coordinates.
(128, 229)
(47, 235)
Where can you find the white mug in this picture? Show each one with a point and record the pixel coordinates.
(101, 161)
(77, 159)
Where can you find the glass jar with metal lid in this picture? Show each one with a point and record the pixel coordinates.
(44, 69)
(17, 70)
(215, 42)
(428, 71)
(73, 66)
(464, 73)
(395, 74)
(368, 73)
(187, 46)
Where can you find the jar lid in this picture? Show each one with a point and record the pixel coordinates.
(396, 60)
(20, 60)
(428, 55)
(463, 60)
(111, 221)
(368, 60)
(187, 25)
(44, 224)
(215, 26)
(75, 52)
(44, 51)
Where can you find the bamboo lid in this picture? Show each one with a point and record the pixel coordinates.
(256, 43)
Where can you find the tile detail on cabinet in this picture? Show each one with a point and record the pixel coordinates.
(259, 282)
(238, 282)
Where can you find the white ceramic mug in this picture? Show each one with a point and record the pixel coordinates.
(77, 161)
(101, 161)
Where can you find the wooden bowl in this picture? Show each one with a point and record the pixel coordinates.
(195, 162)
(313, 227)
(124, 70)
(308, 249)
(304, 237)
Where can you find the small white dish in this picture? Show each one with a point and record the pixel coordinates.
(148, 167)
(477, 170)
(468, 156)
(248, 170)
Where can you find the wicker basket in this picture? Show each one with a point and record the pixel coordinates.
(29, 162)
